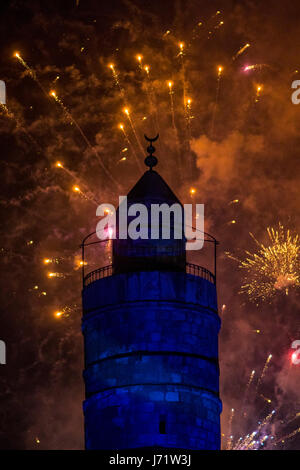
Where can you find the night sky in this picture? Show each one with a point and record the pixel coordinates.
(235, 144)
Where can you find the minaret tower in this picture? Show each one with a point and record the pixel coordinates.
(150, 326)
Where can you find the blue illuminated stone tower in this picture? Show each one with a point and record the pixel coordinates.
(150, 326)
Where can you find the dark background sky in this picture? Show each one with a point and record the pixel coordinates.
(252, 155)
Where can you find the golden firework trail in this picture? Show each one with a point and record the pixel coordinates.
(215, 27)
(53, 260)
(206, 28)
(122, 128)
(31, 71)
(151, 98)
(181, 55)
(117, 81)
(241, 50)
(188, 118)
(84, 195)
(127, 113)
(220, 70)
(287, 436)
(254, 67)
(219, 24)
(69, 172)
(52, 275)
(195, 33)
(70, 118)
(79, 182)
(186, 106)
(268, 400)
(297, 415)
(66, 311)
(258, 92)
(249, 382)
(264, 371)
(68, 115)
(108, 249)
(139, 58)
(272, 268)
(171, 93)
(230, 437)
(149, 91)
(66, 112)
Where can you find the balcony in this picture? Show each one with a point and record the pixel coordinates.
(107, 271)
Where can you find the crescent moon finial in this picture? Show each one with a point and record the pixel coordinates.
(151, 160)
(149, 139)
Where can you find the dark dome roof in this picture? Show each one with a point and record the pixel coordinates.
(152, 187)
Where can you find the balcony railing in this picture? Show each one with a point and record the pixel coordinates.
(176, 251)
(99, 273)
(199, 271)
(107, 271)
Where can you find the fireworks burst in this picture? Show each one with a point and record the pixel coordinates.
(262, 437)
(267, 431)
(272, 268)
(257, 438)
